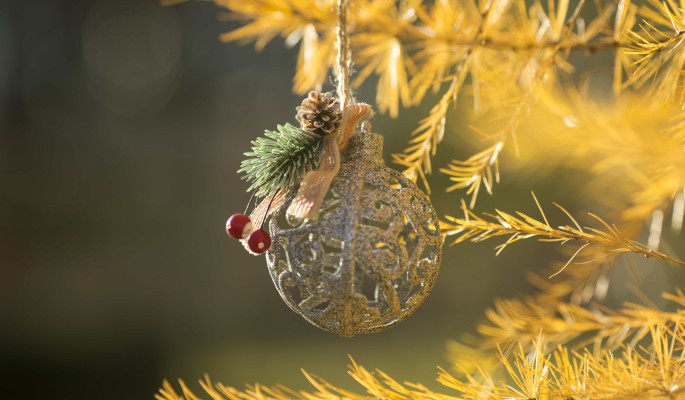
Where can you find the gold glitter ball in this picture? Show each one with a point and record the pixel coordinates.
(372, 256)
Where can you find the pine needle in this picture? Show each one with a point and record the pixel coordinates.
(280, 159)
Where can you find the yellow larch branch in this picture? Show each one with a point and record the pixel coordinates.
(636, 143)
(425, 40)
(271, 18)
(479, 169)
(416, 158)
(652, 371)
(483, 167)
(521, 226)
(438, 32)
(513, 320)
(656, 52)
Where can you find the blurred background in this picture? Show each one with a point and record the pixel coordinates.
(122, 124)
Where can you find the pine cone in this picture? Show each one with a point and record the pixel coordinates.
(319, 113)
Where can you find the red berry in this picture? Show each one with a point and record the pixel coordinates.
(238, 226)
(259, 241)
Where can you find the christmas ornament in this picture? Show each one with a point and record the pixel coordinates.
(356, 245)
(371, 257)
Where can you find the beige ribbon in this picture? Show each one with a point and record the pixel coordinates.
(315, 184)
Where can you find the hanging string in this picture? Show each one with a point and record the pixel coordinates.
(343, 60)
(353, 113)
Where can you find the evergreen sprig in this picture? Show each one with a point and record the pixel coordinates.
(280, 159)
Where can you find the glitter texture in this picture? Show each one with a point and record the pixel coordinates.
(370, 259)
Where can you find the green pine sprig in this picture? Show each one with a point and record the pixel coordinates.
(280, 159)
